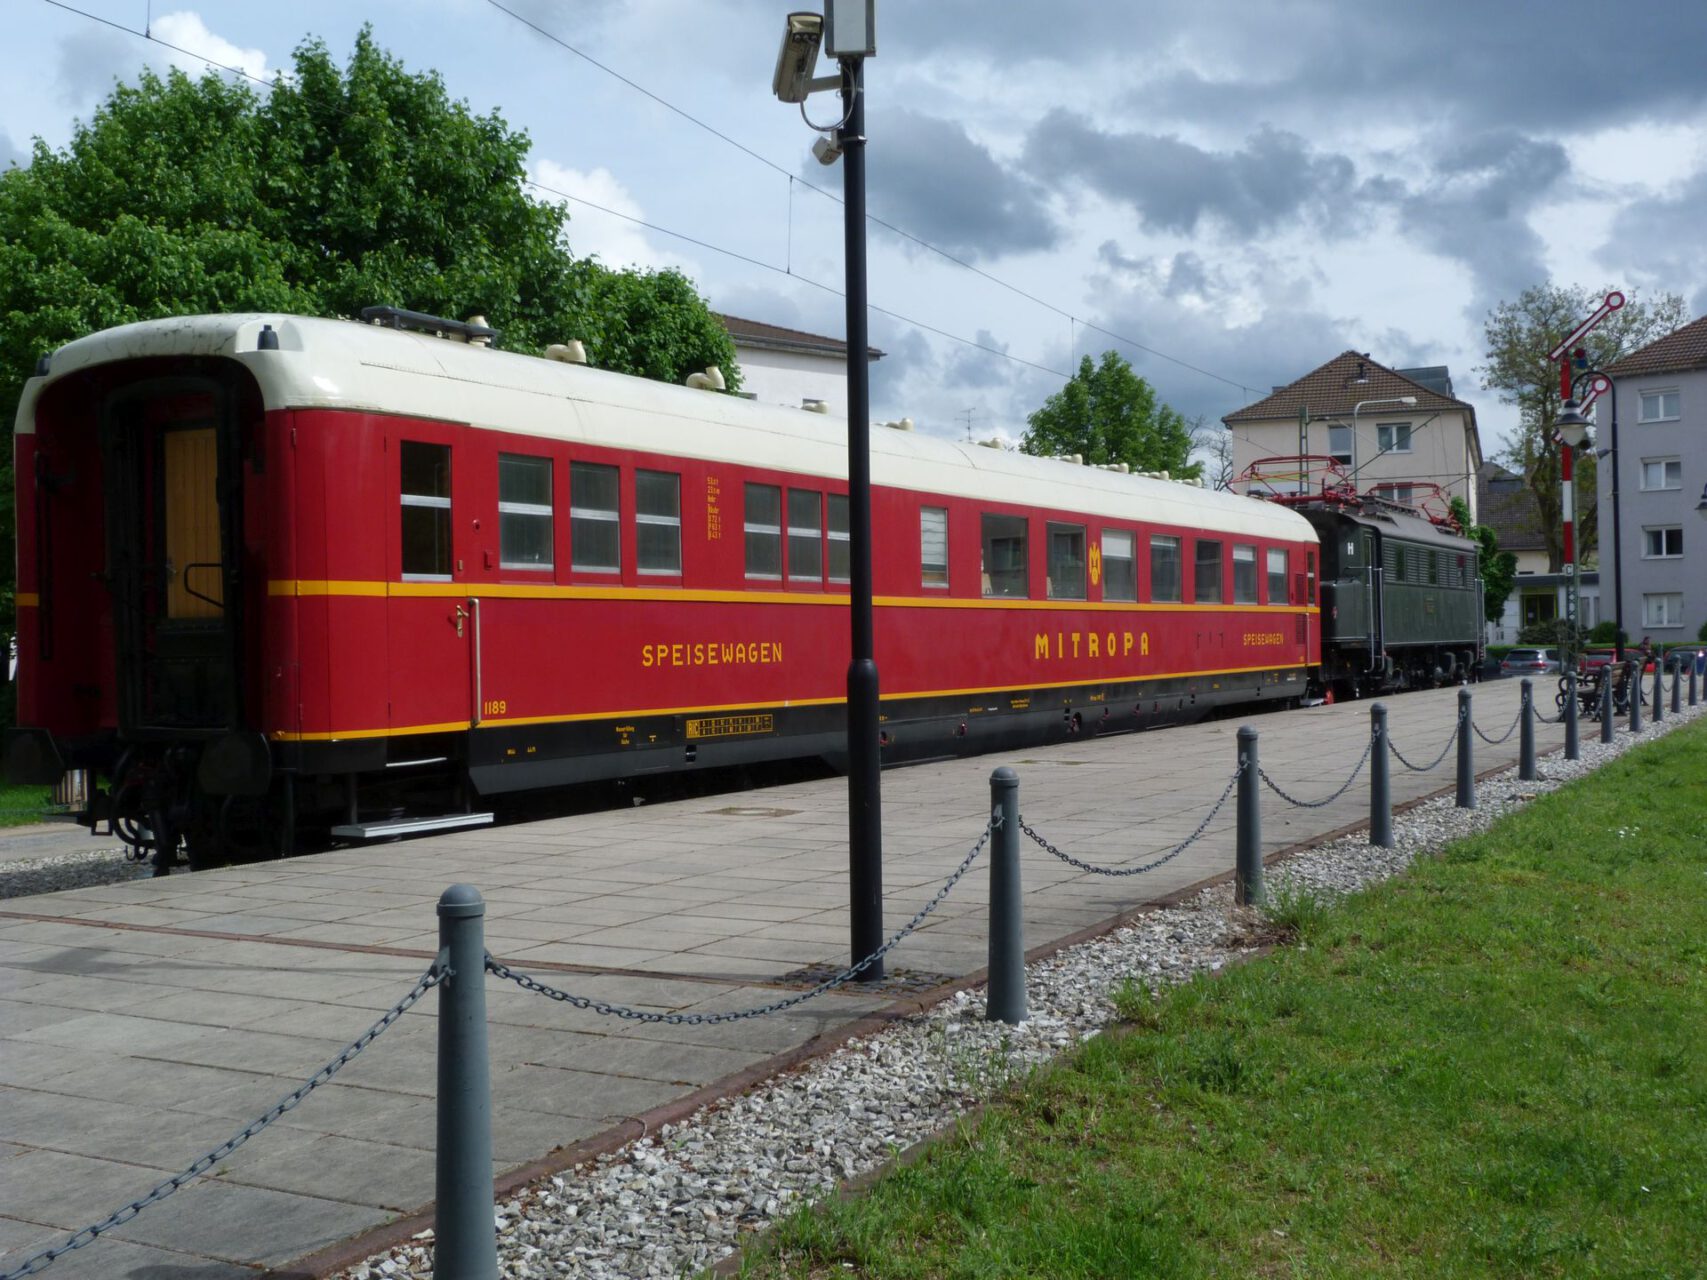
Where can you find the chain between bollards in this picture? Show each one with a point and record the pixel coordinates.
(1380, 780)
(1466, 753)
(1526, 735)
(1247, 866)
(465, 1236)
(1005, 997)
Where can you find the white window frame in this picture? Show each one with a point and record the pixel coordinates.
(811, 534)
(1284, 573)
(435, 503)
(599, 514)
(1660, 394)
(832, 535)
(533, 510)
(1656, 534)
(1246, 554)
(1662, 464)
(1349, 453)
(1119, 546)
(933, 536)
(751, 527)
(642, 517)
(1666, 615)
(1391, 432)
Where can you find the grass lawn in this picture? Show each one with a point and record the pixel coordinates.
(1493, 1066)
(20, 806)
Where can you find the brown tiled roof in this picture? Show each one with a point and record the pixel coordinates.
(1684, 349)
(1334, 389)
(1505, 504)
(755, 333)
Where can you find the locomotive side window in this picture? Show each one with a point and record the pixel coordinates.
(1279, 570)
(426, 510)
(841, 542)
(933, 546)
(1164, 569)
(1206, 584)
(1066, 561)
(1005, 556)
(805, 536)
(1119, 567)
(524, 512)
(594, 518)
(1244, 574)
(658, 522)
(763, 527)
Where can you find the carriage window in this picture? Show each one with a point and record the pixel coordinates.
(841, 545)
(1279, 569)
(658, 522)
(933, 546)
(524, 512)
(1309, 577)
(1244, 574)
(594, 531)
(805, 536)
(1206, 585)
(1119, 568)
(1164, 569)
(763, 528)
(1066, 561)
(426, 509)
(1005, 556)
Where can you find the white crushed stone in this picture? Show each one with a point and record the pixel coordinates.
(673, 1203)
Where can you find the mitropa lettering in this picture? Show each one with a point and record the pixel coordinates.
(712, 653)
(1055, 645)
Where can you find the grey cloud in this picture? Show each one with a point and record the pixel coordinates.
(90, 61)
(967, 366)
(932, 179)
(1174, 185)
(11, 154)
(1658, 242)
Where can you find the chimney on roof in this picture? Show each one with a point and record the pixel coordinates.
(1362, 378)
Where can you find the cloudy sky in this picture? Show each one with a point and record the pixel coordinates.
(1228, 192)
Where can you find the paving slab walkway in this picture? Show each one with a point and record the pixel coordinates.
(143, 1023)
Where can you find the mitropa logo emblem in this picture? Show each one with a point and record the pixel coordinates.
(1096, 564)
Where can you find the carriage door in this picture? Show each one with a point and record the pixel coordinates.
(172, 525)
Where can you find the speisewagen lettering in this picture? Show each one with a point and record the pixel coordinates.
(712, 653)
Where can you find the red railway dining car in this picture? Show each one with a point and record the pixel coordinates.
(280, 573)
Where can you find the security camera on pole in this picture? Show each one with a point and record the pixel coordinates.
(847, 31)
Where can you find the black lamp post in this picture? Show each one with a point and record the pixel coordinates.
(847, 32)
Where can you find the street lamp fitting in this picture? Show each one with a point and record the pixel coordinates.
(1571, 425)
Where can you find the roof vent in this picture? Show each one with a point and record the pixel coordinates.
(479, 334)
(813, 406)
(267, 339)
(571, 352)
(458, 330)
(1119, 468)
(900, 424)
(43, 365)
(710, 380)
(994, 442)
(1077, 459)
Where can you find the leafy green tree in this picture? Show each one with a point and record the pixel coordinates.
(1106, 413)
(339, 189)
(1519, 335)
(1498, 569)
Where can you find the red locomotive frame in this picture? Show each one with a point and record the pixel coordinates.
(244, 663)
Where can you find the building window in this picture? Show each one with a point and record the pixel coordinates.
(1279, 569)
(1663, 610)
(1119, 567)
(1662, 473)
(524, 512)
(1403, 494)
(1661, 406)
(1244, 574)
(1206, 583)
(1340, 445)
(1005, 556)
(1164, 569)
(658, 522)
(1539, 608)
(1665, 543)
(1066, 578)
(933, 546)
(805, 536)
(594, 515)
(841, 543)
(1393, 437)
(763, 527)
(426, 509)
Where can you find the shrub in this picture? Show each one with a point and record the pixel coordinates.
(1607, 632)
(1554, 631)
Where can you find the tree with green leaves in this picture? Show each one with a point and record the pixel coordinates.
(1519, 335)
(1106, 413)
(340, 188)
(1497, 569)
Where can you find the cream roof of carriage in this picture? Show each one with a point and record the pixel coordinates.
(341, 364)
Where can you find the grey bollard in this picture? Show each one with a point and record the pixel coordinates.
(1659, 690)
(1526, 734)
(1380, 780)
(1573, 742)
(1606, 726)
(1692, 684)
(1636, 697)
(1247, 864)
(1466, 754)
(1004, 1001)
(1676, 687)
(465, 1237)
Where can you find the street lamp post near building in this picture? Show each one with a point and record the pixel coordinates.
(1592, 378)
(1572, 429)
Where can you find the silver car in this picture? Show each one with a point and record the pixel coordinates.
(1530, 662)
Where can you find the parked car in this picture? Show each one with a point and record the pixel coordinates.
(1530, 662)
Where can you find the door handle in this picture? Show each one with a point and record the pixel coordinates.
(460, 615)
